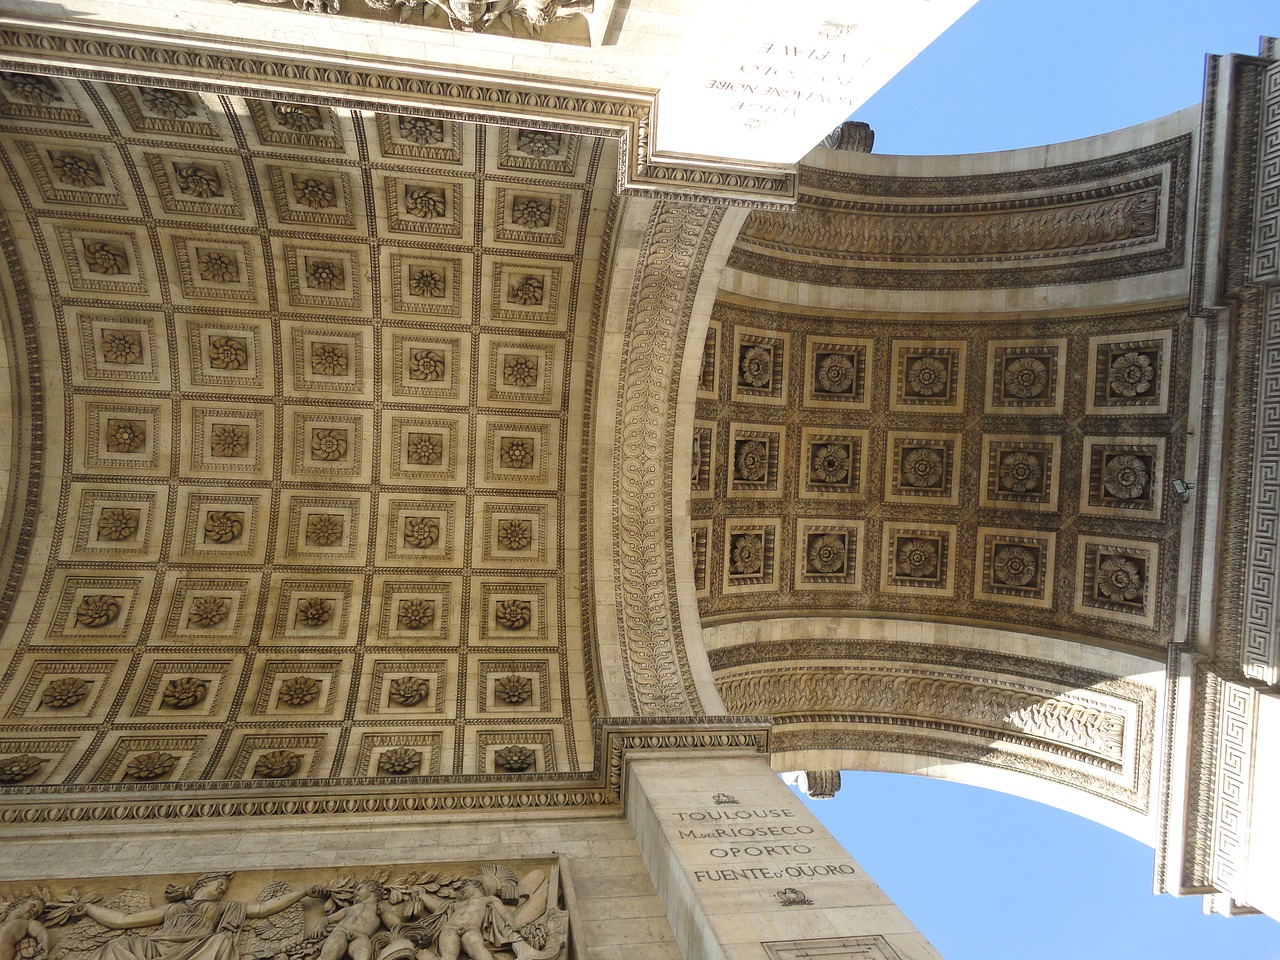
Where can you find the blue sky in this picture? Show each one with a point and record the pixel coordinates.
(1017, 73)
(984, 875)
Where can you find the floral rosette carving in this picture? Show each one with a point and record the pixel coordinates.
(228, 353)
(223, 526)
(229, 439)
(1125, 477)
(1025, 378)
(277, 764)
(516, 453)
(927, 376)
(752, 460)
(746, 556)
(830, 463)
(183, 693)
(97, 610)
(298, 117)
(314, 193)
(1015, 566)
(1119, 579)
(298, 691)
(426, 283)
(328, 443)
(64, 692)
(408, 691)
(209, 611)
(106, 258)
(117, 523)
(126, 436)
(18, 767)
(918, 558)
(538, 143)
(325, 275)
(514, 758)
(325, 529)
(416, 614)
(835, 374)
(528, 292)
(1020, 472)
(520, 370)
(513, 689)
(423, 131)
(123, 347)
(29, 89)
(315, 611)
(827, 554)
(150, 766)
(755, 367)
(531, 212)
(217, 266)
(329, 359)
(203, 183)
(426, 365)
(922, 467)
(515, 534)
(425, 203)
(1131, 374)
(170, 104)
(423, 448)
(76, 170)
(513, 614)
(421, 532)
(399, 762)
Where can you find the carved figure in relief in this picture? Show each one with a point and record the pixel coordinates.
(19, 924)
(477, 917)
(495, 915)
(197, 924)
(354, 925)
(475, 16)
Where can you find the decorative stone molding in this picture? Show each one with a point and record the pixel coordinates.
(674, 250)
(242, 69)
(35, 807)
(1078, 727)
(1098, 219)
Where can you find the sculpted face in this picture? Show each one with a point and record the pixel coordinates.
(468, 11)
(28, 909)
(214, 889)
(364, 890)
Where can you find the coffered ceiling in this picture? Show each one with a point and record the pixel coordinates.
(311, 439)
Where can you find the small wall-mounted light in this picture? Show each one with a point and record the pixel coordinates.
(1183, 489)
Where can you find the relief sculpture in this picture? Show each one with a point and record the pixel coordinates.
(493, 913)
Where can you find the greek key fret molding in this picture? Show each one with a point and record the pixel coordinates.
(1260, 648)
(1266, 226)
(676, 247)
(34, 808)
(241, 69)
(1238, 706)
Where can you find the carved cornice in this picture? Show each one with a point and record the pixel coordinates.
(240, 69)
(675, 248)
(1095, 220)
(95, 804)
